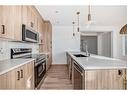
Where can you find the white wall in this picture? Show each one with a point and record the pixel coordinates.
(5, 47)
(104, 43)
(111, 21)
(63, 41)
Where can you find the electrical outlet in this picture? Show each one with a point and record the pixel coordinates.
(1, 50)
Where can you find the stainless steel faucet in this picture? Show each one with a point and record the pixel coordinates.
(86, 49)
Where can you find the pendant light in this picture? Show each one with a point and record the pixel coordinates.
(73, 23)
(123, 29)
(78, 13)
(89, 18)
(89, 13)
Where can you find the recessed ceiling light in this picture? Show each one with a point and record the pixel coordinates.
(56, 12)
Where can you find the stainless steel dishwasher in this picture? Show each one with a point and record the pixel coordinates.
(78, 76)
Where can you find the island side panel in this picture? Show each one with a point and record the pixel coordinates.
(104, 79)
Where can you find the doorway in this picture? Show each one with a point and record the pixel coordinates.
(92, 43)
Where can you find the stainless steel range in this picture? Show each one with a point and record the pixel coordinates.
(40, 61)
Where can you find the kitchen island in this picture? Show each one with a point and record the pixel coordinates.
(96, 72)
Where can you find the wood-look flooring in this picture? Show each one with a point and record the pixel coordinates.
(57, 78)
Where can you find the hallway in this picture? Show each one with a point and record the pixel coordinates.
(57, 78)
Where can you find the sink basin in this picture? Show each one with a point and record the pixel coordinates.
(79, 55)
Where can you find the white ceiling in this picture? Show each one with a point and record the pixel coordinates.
(101, 15)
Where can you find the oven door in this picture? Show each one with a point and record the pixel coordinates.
(40, 71)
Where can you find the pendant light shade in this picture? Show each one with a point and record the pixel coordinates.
(89, 17)
(123, 29)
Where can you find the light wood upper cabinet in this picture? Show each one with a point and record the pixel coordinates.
(25, 15)
(12, 18)
(41, 30)
(30, 23)
(10, 22)
(7, 22)
(29, 17)
(18, 23)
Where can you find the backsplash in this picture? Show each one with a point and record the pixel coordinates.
(5, 47)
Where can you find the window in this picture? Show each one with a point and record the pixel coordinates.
(125, 45)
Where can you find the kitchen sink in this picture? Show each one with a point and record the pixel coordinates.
(79, 55)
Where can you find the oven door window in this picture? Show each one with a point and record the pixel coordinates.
(40, 70)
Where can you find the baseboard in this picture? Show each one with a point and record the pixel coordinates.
(60, 64)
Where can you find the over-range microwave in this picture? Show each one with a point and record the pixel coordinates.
(29, 35)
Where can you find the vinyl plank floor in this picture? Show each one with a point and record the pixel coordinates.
(57, 78)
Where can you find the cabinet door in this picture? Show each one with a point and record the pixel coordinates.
(12, 77)
(103, 79)
(11, 22)
(7, 22)
(17, 23)
(21, 84)
(42, 32)
(3, 81)
(25, 15)
(29, 18)
(29, 75)
(16, 78)
(32, 18)
(35, 21)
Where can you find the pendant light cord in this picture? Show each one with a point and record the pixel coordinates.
(73, 23)
(89, 13)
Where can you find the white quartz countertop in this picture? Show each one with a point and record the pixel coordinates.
(10, 64)
(98, 62)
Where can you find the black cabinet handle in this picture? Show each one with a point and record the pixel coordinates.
(120, 72)
(21, 73)
(3, 29)
(18, 73)
(32, 24)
